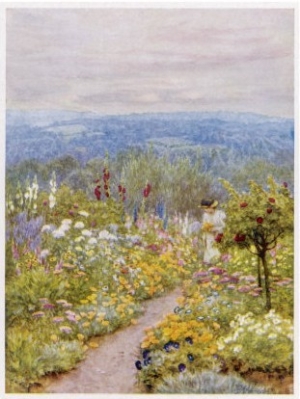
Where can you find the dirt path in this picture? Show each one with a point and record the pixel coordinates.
(110, 368)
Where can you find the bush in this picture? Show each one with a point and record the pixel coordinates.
(207, 383)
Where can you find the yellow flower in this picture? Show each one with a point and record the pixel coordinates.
(93, 289)
(145, 344)
(216, 326)
(86, 324)
(167, 331)
(83, 301)
(180, 300)
(105, 323)
(80, 337)
(205, 337)
(133, 321)
(91, 315)
(54, 338)
(93, 345)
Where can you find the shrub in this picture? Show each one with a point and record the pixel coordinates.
(207, 382)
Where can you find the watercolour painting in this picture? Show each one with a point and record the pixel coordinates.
(149, 199)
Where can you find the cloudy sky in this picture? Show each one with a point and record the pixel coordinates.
(132, 60)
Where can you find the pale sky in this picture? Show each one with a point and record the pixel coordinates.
(119, 61)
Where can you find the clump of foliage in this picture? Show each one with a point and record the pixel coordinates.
(207, 382)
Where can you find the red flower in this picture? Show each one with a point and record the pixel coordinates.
(97, 193)
(147, 190)
(285, 184)
(124, 198)
(120, 188)
(106, 176)
(260, 220)
(107, 194)
(239, 237)
(105, 187)
(124, 190)
(219, 237)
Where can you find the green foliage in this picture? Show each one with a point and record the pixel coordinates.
(29, 356)
(256, 221)
(259, 342)
(207, 382)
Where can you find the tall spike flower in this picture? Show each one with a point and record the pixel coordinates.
(53, 189)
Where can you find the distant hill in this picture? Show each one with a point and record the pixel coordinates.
(220, 137)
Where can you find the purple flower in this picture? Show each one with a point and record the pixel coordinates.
(216, 270)
(200, 273)
(231, 287)
(181, 367)
(224, 280)
(38, 314)
(250, 279)
(244, 288)
(48, 306)
(58, 319)
(65, 329)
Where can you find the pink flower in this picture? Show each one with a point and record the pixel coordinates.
(244, 288)
(226, 258)
(217, 270)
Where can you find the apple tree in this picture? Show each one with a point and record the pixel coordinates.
(256, 220)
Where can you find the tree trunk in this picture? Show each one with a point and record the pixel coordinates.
(267, 282)
(258, 273)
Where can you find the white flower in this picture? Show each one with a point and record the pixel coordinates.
(237, 348)
(92, 241)
(221, 346)
(259, 331)
(232, 324)
(227, 340)
(44, 253)
(290, 337)
(58, 233)
(86, 233)
(66, 221)
(272, 336)
(78, 248)
(105, 235)
(46, 228)
(276, 321)
(64, 227)
(79, 225)
(83, 213)
(79, 239)
(52, 201)
(266, 326)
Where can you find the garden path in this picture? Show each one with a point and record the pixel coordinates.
(110, 368)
